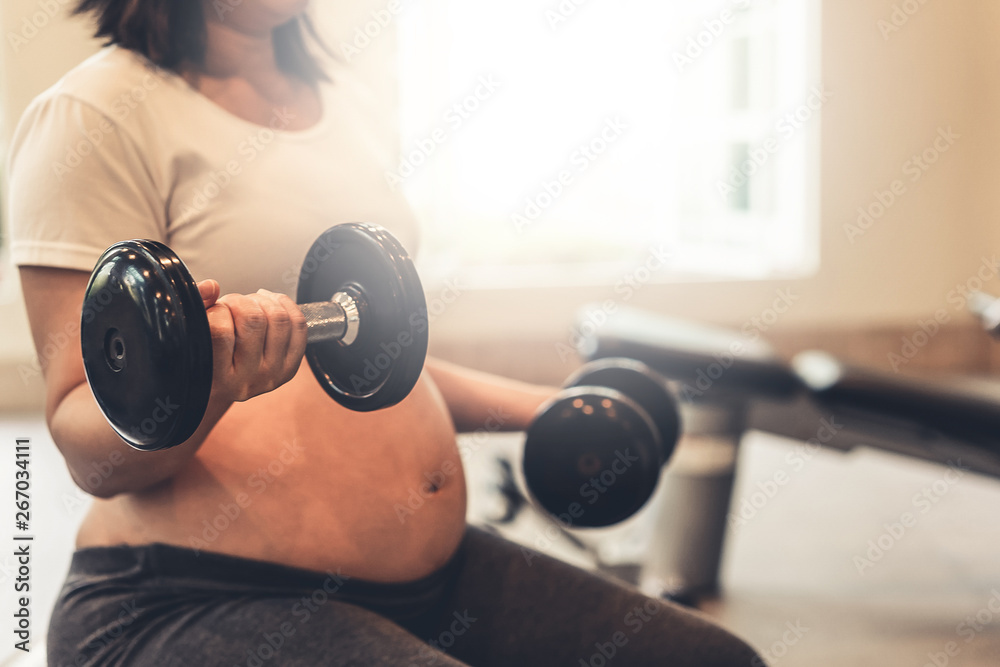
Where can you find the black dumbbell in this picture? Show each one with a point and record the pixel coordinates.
(593, 454)
(147, 348)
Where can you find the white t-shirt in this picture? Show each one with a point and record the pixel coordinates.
(119, 149)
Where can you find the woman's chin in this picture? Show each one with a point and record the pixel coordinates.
(257, 14)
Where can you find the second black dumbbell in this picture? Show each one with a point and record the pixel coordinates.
(593, 454)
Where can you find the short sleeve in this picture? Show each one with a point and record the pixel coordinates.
(78, 184)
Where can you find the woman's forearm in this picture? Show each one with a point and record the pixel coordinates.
(479, 400)
(101, 463)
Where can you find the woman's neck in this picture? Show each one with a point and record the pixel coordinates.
(241, 74)
(234, 53)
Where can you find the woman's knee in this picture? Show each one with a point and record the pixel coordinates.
(684, 638)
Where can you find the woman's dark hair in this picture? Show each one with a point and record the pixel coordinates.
(172, 33)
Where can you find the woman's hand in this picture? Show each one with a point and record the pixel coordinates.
(258, 341)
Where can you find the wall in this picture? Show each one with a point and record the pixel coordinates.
(939, 70)
(984, 203)
(890, 97)
(892, 91)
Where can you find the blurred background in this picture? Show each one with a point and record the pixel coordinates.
(702, 160)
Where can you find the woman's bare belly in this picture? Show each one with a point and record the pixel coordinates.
(292, 477)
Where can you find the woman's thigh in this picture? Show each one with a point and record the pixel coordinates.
(246, 632)
(514, 606)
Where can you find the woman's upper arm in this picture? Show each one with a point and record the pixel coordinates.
(54, 298)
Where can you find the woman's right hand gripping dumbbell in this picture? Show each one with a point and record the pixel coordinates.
(258, 341)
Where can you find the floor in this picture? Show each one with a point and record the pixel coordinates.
(791, 582)
(905, 599)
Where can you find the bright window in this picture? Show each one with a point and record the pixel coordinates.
(551, 142)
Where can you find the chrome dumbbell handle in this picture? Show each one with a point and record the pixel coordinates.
(337, 319)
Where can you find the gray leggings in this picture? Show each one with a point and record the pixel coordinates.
(492, 604)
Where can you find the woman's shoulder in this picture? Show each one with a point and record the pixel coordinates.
(115, 82)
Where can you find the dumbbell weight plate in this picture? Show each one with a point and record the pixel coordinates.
(643, 385)
(146, 344)
(592, 457)
(385, 361)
